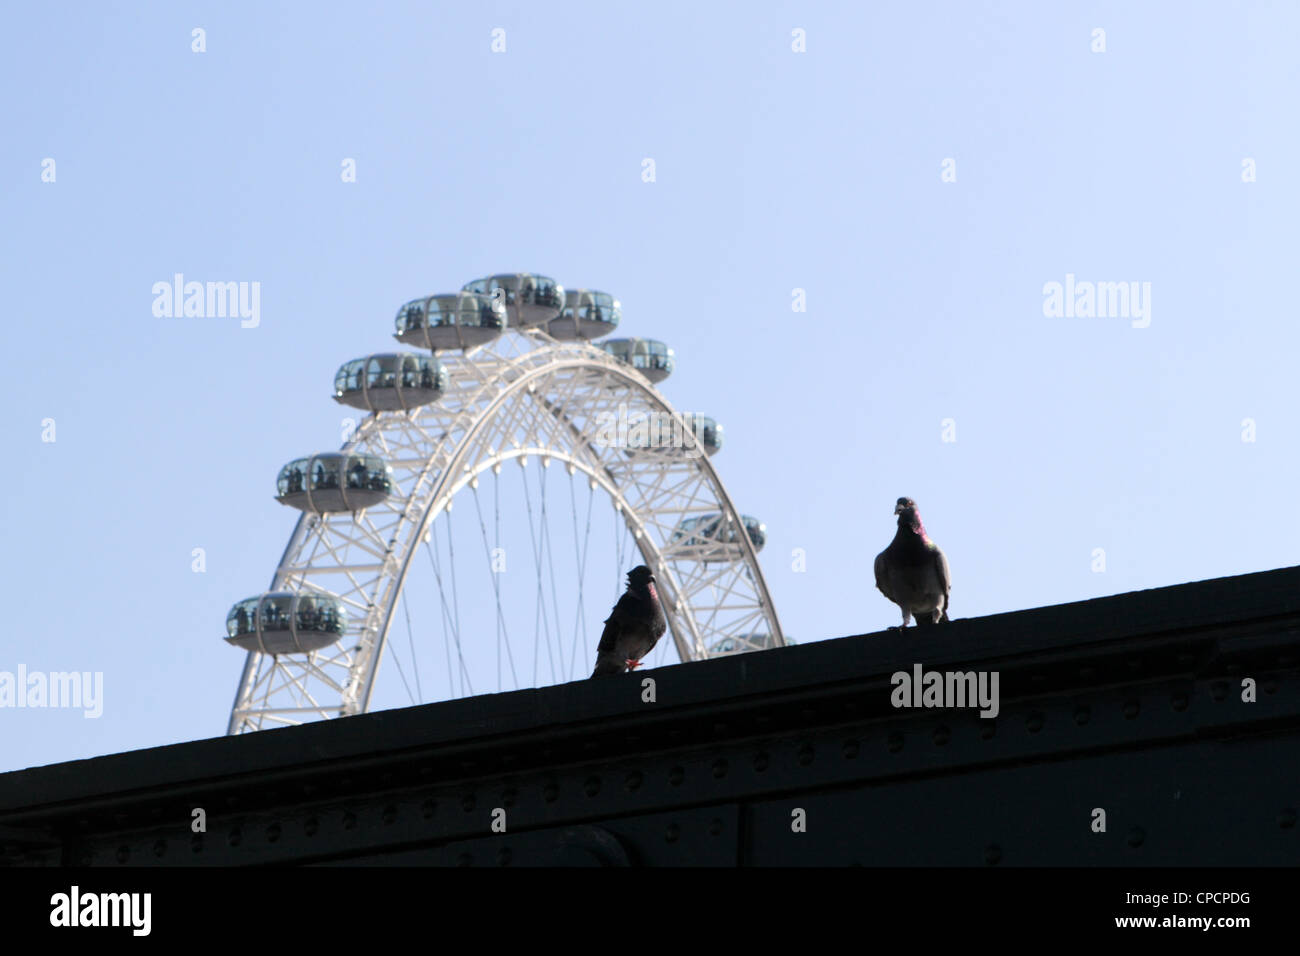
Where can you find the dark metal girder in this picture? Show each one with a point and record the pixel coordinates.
(1123, 696)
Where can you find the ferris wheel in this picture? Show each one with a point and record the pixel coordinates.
(509, 374)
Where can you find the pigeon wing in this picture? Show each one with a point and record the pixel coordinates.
(945, 580)
(883, 582)
(622, 618)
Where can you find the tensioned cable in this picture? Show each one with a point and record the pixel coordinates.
(442, 594)
(540, 616)
(581, 558)
(415, 661)
(496, 584)
(496, 531)
(446, 640)
(618, 548)
(455, 592)
(550, 562)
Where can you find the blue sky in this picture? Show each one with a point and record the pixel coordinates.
(775, 170)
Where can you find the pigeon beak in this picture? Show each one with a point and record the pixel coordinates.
(898, 509)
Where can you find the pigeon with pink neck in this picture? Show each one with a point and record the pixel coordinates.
(633, 628)
(913, 572)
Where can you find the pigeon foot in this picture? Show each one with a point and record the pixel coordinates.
(633, 665)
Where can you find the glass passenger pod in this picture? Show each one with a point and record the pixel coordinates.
(530, 300)
(334, 482)
(744, 643)
(663, 433)
(282, 622)
(706, 431)
(710, 537)
(390, 382)
(461, 320)
(652, 359)
(586, 315)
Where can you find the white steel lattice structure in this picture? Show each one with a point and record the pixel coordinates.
(523, 396)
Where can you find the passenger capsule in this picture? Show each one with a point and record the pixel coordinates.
(530, 300)
(461, 320)
(284, 622)
(667, 434)
(706, 431)
(744, 643)
(653, 359)
(334, 482)
(586, 315)
(712, 537)
(390, 382)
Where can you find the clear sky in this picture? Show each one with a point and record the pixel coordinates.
(775, 170)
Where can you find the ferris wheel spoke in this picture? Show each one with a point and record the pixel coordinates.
(620, 538)
(496, 528)
(550, 566)
(446, 641)
(580, 557)
(502, 630)
(415, 661)
(450, 631)
(455, 600)
(541, 623)
(397, 662)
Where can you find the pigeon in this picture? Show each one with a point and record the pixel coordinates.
(912, 572)
(633, 628)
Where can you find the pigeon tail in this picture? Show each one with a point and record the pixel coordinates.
(606, 667)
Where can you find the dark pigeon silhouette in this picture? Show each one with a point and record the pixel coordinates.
(912, 572)
(633, 628)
